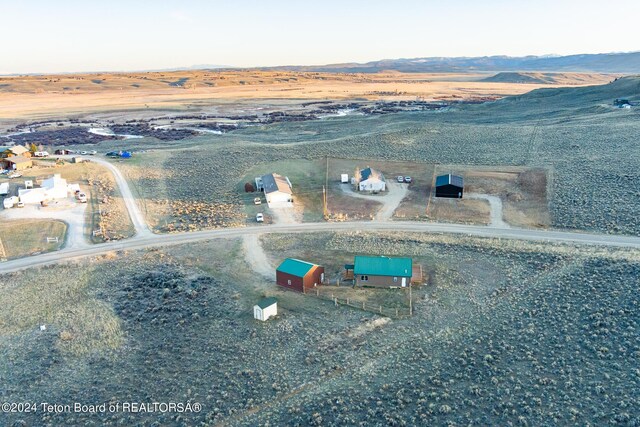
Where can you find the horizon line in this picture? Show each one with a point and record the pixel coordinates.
(232, 67)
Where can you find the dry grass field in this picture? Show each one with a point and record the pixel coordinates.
(19, 238)
(50, 96)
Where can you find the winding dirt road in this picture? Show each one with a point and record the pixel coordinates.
(137, 218)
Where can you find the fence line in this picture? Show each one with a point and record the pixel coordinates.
(363, 305)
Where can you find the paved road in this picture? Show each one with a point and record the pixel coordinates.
(141, 242)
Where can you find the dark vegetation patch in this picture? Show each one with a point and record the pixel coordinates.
(178, 83)
(66, 136)
(144, 129)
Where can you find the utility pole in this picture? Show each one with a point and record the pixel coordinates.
(325, 211)
(325, 208)
(410, 301)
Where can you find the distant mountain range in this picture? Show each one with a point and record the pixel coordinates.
(627, 63)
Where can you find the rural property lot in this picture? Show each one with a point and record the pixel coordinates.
(487, 322)
(523, 192)
(105, 211)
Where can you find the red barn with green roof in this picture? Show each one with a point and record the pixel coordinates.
(299, 275)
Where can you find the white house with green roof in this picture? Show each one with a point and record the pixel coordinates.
(382, 271)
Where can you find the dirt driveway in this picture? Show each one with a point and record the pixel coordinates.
(286, 215)
(396, 192)
(256, 257)
(495, 203)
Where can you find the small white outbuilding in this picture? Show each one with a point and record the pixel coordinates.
(344, 178)
(265, 309)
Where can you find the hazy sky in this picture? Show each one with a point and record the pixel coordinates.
(68, 35)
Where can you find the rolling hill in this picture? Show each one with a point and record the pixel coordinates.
(627, 63)
(564, 79)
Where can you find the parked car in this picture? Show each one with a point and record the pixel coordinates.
(407, 179)
(83, 153)
(93, 152)
(257, 201)
(260, 217)
(41, 154)
(20, 204)
(112, 154)
(81, 197)
(15, 175)
(400, 178)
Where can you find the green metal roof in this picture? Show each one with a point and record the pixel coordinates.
(295, 267)
(383, 266)
(267, 302)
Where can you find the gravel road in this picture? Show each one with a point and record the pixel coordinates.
(140, 242)
(137, 218)
(144, 238)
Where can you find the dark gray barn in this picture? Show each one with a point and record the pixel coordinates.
(449, 186)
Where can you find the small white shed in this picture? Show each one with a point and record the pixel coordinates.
(265, 309)
(344, 178)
